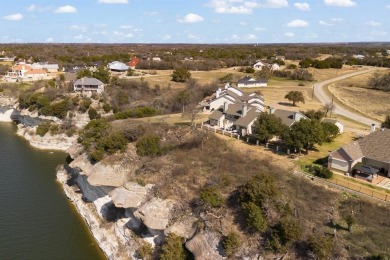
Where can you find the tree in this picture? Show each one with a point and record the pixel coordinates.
(350, 220)
(249, 70)
(84, 73)
(386, 123)
(289, 230)
(211, 197)
(93, 114)
(149, 146)
(102, 74)
(295, 96)
(329, 108)
(183, 97)
(181, 75)
(264, 73)
(304, 134)
(173, 248)
(267, 126)
(314, 114)
(255, 217)
(329, 131)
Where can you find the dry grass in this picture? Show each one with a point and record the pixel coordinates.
(354, 93)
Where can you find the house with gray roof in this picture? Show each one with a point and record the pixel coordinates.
(88, 85)
(372, 150)
(117, 66)
(335, 122)
(249, 82)
(288, 117)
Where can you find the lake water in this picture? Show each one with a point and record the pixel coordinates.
(36, 219)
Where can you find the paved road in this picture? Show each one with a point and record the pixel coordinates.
(324, 97)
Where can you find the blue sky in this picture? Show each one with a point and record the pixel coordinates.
(194, 21)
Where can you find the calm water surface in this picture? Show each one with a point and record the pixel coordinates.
(36, 219)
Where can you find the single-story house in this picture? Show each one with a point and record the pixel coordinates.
(258, 65)
(45, 66)
(335, 122)
(288, 117)
(88, 85)
(372, 150)
(117, 66)
(274, 67)
(249, 82)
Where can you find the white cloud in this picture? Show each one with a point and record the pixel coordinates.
(66, 9)
(166, 37)
(13, 17)
(125, 26)
(191, 18)
(78, 28)
(243, 6)
(325, 23)
(302, 6)
(153, 13)
(373, 24)
(243, 24)
(337, 19)
(342, 3)
(388, 6)
(191, 36)
(50, 39)
(113, 1)
(378, 33)
(250, 37)
(31, 8)
(297, 23)
(259, 29)
(289, 34)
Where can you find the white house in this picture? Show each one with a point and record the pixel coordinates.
(88, 85)
(258, 65)
(117, 66)
(274, 67)
(249, 82)
(156, 59)
(45, 66)
(24, 72)
(337, 123)
(288, 117)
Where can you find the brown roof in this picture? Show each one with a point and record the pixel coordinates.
(373, 146)
(250, 116)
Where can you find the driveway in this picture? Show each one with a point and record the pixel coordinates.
(324, 97)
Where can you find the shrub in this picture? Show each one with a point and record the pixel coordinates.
(84, 105)
(231, 243)
(93, 114)
(43, 128)
(211, 197)
(106, 107)
(54, 129)
(289, 230)
(173, 248)
(249, 70)
(180, 75)
(320, 245)
(320, 171)
(145, 251)
(133, 133)
(114, 142)
(255, 217)
(149, 146)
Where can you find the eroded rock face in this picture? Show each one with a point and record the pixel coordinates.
(131, 195)
(75, 150)
(155, 213)
(204, 246)
(183, 228)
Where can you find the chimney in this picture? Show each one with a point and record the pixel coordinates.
(225, 106)
(244, 110)
(227, 85)
(373, 128)
(217, 93)
(271, 110)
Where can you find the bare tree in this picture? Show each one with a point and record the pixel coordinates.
(329, 108)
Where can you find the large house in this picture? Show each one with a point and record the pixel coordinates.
(88, 85)
(258, 65)
(372, 151)
(117, 66)
(24, 72)
(231, 95)
(45, 66)
(249, 82)
(288, 117)
(134, 62)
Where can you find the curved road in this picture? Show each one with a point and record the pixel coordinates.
(323, 97)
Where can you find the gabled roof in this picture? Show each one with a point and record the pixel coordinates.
(234, 109)
(250, 80)
(216, 115)
(330, 120)
(250, 116)
(373, 146)
(88, 81)
(287, 116)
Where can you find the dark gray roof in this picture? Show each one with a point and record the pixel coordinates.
(234, 109)
(367, 169)
(88, 81)
(373, 146)
(250, 116)
(216, 115)
(250, 80)
(286, 116)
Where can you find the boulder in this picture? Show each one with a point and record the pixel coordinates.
(131, 195)
(204, 246)
(184, 227)
(155, 213)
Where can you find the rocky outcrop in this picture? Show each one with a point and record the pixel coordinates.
(155, 213)
(131, 195)
(48, 141)
(5, 115)
(184, 227)
(204, 246)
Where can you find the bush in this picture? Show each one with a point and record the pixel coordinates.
(145, 251)
(84, 105)
(173, 248)
(231, 243)
(320, 171)
(43, 128)
(133, 133)
(255, 217)
(320, 245)
(93, 114)
(211, 197)
(54, 129)
(181, 75)
(149, 146)
(106, 107)
(249, 70)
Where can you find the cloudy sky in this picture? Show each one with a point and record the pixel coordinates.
(194, 21)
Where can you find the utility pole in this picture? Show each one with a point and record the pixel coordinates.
(331, 109)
